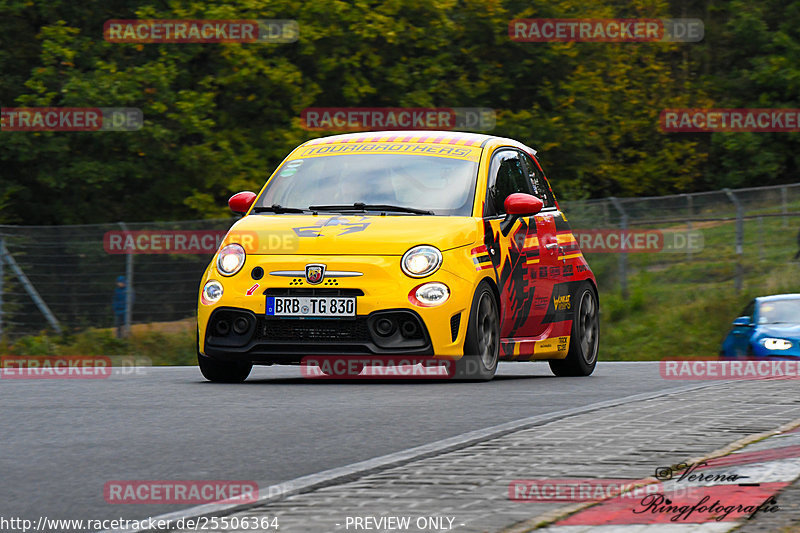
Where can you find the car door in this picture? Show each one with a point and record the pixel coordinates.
(525, 256)
(559, 273)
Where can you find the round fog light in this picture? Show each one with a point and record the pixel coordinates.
(212, 291)
(433, 293)
(223, 328)
(241, 325)
(384, 327)
(409, 329)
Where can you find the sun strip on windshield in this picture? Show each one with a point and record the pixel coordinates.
(451, 151)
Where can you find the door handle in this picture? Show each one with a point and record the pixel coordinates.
(551, 245)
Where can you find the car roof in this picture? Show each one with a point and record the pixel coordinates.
(420, 136)
(775, 297)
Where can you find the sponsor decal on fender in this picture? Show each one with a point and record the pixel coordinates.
(562, 303)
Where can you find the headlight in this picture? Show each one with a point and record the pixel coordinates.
(230, 259)
(212, 291)
(776, 344)
(430, 294)
(421, 261)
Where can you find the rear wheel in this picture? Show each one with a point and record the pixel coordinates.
(584, 338)
(482, 342)
(223, 371)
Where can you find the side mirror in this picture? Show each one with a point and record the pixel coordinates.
(241, 202)
(517, 205)
(742, 321)
(521, 204)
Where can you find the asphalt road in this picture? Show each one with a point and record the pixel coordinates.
(62, 440)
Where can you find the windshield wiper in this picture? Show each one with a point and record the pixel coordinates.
(276, 208)
(361, 206)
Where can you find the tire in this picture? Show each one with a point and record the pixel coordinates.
(223, 371)
(482, 342)
(584, 340)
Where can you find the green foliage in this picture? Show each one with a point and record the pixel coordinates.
(219, 118)
(160, 348)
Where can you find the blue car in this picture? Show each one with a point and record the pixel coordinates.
(769, 327)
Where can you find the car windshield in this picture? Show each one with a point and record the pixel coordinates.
(444, 186)
(780, 312)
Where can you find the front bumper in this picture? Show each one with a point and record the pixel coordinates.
(382, 291)
(287, 340)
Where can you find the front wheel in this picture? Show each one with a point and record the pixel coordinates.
(482, 342)
(584, 338)
(223, 371)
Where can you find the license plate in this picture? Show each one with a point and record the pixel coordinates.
(311, 306)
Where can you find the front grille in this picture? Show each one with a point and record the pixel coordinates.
(312, 291)
(319, 330)
(455, 322)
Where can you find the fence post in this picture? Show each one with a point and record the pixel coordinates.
(622, 260)
(690, 214)
(739, 237)
(128, 286)
(784, 207)
(29, 288)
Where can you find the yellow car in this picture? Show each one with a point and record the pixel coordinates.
(443, 246)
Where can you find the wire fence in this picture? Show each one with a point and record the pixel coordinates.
(63, 278)
(736, 229)
(74, 271)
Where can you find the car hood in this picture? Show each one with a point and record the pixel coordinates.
(349, 234)
(782, 331)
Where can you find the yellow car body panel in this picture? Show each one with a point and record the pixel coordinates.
(330, 234)
(368, 247)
